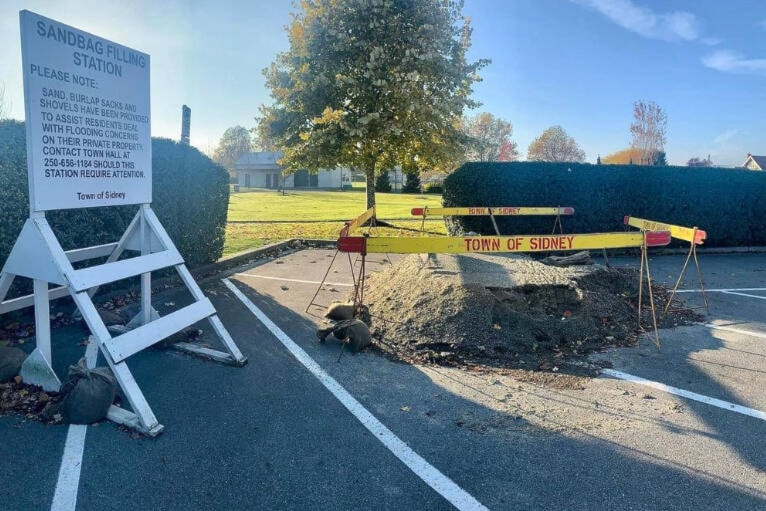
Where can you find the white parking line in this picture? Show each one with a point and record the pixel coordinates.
(725, 405)
(721, 290)
(736, 330)
(65, 496)
(424, 470)
(743, 294)
(291, 280)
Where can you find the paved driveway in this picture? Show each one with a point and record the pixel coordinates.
(298, 429)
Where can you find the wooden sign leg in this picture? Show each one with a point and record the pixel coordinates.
(37, 369)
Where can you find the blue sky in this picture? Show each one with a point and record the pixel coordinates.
(580, 64)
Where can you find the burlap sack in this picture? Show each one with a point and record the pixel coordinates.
(87, 394)
(340, 311)
(356, 331)
(10, 362)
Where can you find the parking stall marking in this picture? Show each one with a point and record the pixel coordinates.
(292, 280)
(722, 290)
(750, 333)
(65, 496)
(719, 403)
(742, 294)
(425, 471)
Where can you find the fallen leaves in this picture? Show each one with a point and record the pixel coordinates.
(29, 401)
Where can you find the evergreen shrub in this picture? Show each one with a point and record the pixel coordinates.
(725, 202)
(190, 197)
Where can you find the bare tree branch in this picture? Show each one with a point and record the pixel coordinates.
(648, 131)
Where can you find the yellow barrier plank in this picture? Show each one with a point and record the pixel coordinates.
(692, 235)
(500, 244)
(359, 221)
(497, 211)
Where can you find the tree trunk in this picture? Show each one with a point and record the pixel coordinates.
(370, 186)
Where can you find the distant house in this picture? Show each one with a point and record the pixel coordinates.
(754, 162)
(262, 170)
(434, 178)
(397, 178)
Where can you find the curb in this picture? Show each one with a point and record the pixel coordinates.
(712, 250)
(233, 261)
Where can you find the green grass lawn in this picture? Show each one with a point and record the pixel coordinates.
(258, 217)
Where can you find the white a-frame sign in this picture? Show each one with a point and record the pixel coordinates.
(88, 145)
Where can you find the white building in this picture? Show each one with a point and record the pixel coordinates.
(753, 162)
(261, 170)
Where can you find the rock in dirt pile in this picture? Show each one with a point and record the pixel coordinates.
(507, 311)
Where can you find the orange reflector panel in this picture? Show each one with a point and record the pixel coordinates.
(353, 244)
(657, 238)
(690, 234)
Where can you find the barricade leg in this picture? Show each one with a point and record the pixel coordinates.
(645, 264)
(142, 418)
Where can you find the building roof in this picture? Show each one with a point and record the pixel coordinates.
(758, 160)
(259, 160)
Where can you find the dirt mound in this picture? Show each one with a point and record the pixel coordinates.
(506, 311)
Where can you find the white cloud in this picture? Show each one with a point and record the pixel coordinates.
(726, 137)
(732, 62)
(670, 26)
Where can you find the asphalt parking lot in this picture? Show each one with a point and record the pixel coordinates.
(682, 427)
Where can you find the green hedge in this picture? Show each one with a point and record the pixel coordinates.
(725, 202)
(190, 197)
(433, 188)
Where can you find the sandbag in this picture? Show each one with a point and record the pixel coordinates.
(356, 331)
(86, 394)
(111, 317)
(343, 311)
(340, 311)
(10, 362)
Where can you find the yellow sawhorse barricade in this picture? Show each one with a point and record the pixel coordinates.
(693, 235)
(364, 245)
(500, 244)
(494, 211)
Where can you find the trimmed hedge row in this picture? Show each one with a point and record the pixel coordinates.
(190, 197)
(725, 202)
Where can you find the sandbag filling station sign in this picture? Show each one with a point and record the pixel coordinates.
(87, 116)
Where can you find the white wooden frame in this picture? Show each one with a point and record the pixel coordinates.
(38, 255)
